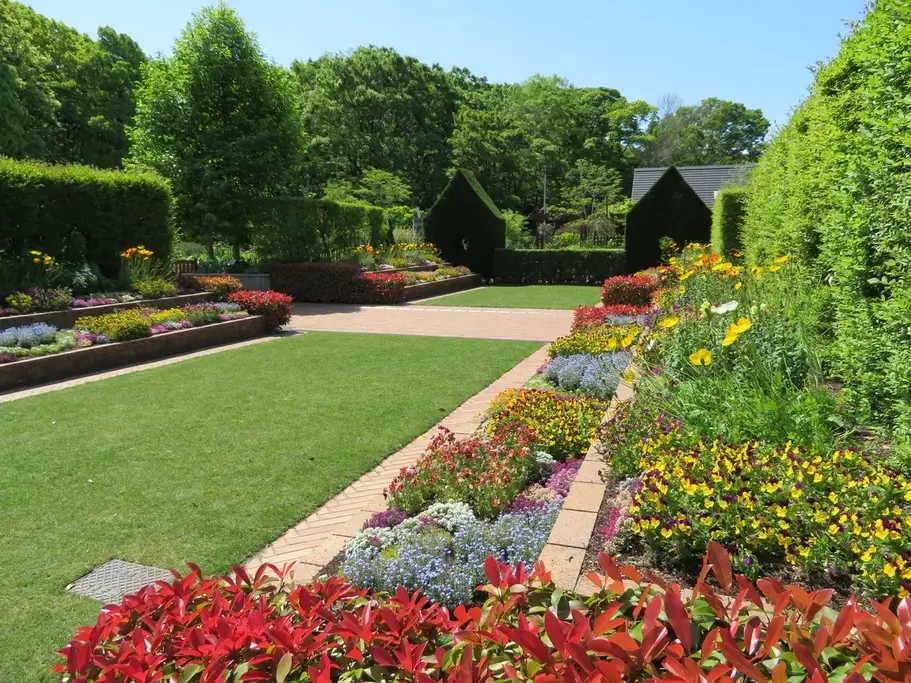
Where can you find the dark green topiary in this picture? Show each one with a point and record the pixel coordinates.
(466, 225)
(727, 220)
(671, 208)
(80, 215)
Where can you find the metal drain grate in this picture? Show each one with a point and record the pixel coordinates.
(115, 579)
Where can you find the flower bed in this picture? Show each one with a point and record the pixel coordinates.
(630, 630)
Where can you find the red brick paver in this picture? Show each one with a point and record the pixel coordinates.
(433, 321)
(321, 536)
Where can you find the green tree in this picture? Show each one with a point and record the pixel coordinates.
(382, 188)
(221, 122)
(713, 132)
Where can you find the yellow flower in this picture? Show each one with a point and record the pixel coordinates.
(782, 259)
(889, 570)
(742, 325)
(627, 340)
(35, 253)
(35, 260)
(701, 357)
(738, 285)
(774, 269)
(669, 322)
(687, 275)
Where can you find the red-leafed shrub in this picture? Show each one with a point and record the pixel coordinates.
(634, 290)
(273, 306)
(633, 629)
(592, 316)
(389, 288)
(337, 283)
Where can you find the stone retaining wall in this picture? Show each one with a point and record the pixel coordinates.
(61, 366)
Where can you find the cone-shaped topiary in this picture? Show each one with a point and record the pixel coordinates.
(466, 225)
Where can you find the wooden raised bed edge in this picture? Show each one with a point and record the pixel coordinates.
(425, 290)
(66, 319)
(565, 549)
(69, 364)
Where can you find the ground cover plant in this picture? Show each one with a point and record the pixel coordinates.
(633, 628)
(565, 297)
(269, 429)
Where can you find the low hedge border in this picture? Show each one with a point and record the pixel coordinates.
(557, 266)
(427, 290)
(64, 320)
(69, 364)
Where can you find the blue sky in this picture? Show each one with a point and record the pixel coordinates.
(757, 53)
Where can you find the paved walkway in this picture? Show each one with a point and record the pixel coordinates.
(435, 321)
(320, 537)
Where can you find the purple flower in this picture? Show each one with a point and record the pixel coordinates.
(613, 523)
(8, 358)
(385, 519)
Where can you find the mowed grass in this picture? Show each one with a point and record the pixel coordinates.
(205, 461)
(565, 297)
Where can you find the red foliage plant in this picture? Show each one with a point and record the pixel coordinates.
(633, 290)
(337, 283)
(273, 306)
(634, 628)
(593, 316)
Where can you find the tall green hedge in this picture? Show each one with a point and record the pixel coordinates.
(79, 214)
(465, 224)
(727, 220)
(301, 230)
(834, 188)
(557, 266)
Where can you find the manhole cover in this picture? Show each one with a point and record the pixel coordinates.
(115, 579)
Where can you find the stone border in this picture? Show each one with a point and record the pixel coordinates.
(315, 541)
(427, 290)
(61, 366)
(565, 549)
(66, 319)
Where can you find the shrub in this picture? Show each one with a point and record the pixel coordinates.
(486, 474)
(156, 288)
(585, 317)
(20, 302)
(556, 267)
(287, 631)
(80, 214)
(466, 225)
(273, 306)
(594, 341)
(446, 272)
(121, 326)
(299, 229)
(633, 290)
(727, 221)
(386, 288)
(39, 300)
(418, 278)
(6, 312)
(221, 286)
(337, 283)
(200, 314)
(564, 426)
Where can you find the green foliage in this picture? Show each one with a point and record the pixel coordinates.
(517, 235)
(220, 122)
(64, 96)
(713, 132)
(82, 215)
(299, 229)
(155, 288)
(556, 267)
(833, 190)
(466, 225)
(120, 326)
(727, 220)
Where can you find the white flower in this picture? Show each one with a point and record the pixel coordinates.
(725, 308)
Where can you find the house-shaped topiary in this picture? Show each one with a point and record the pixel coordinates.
(466, 225)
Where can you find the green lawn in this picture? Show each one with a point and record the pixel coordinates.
(206, 461)
(522, 296)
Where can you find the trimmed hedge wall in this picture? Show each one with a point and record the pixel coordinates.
(79, 214)
(300, 229)
(336, 283)
(557, 266)
(833, 188)
(465, 224)
(727, 220)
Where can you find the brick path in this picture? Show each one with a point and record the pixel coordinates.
(435, 321)
(321, 536)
